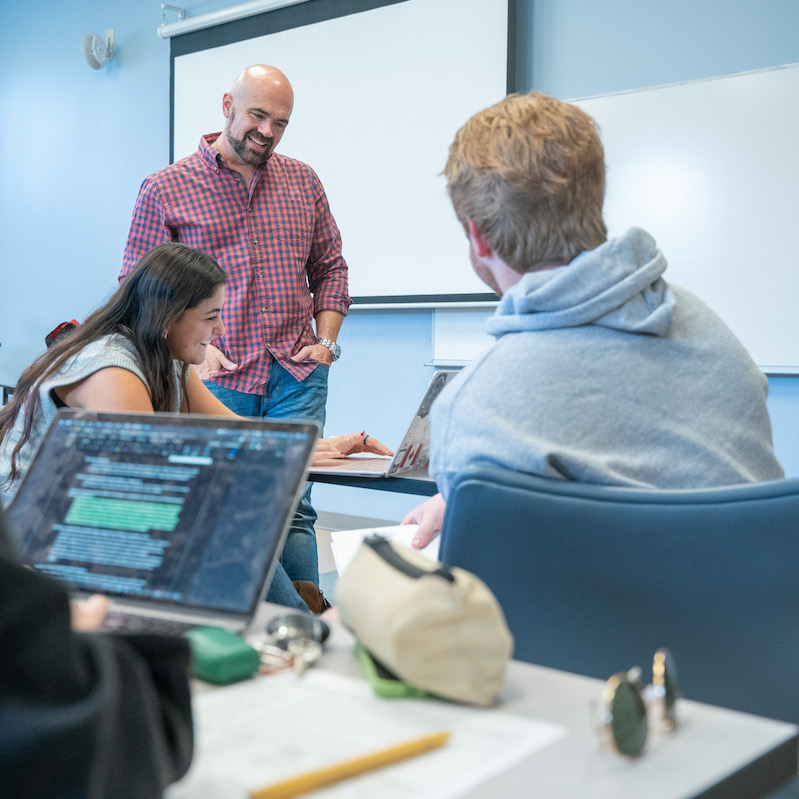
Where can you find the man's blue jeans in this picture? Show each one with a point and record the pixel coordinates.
(288, 398)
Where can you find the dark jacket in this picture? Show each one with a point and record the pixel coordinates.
(84, 715)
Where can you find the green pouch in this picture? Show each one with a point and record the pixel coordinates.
(221, 657)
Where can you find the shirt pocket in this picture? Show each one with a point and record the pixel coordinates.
(290, 225)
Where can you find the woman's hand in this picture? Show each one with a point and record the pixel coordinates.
(330, 449)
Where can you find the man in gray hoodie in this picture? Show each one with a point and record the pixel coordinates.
(602, 372)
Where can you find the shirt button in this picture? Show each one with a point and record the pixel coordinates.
(260, 274)
(263, 309)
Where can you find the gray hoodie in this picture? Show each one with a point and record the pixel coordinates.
(604, 373)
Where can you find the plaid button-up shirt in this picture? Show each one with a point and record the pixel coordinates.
(277, 241)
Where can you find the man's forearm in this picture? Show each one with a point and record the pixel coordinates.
(328, 324)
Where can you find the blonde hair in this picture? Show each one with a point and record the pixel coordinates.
(529, 171)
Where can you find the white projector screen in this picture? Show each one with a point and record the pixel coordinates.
(711, 168)
(379, 95)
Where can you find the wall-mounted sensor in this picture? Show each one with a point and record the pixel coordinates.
(96, 51)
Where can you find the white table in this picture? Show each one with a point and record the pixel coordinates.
(715, 752)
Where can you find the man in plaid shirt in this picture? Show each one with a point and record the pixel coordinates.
(265, 219)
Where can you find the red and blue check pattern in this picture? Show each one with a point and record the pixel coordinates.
(277, 241)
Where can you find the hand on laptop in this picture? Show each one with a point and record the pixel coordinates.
(430, 518)
(88, 614)
(341, 446)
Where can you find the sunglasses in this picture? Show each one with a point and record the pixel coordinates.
(626, 703)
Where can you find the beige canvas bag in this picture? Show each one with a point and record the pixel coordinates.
(439, 628)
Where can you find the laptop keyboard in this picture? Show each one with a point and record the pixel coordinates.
(118, 622)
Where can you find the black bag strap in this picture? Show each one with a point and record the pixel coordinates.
(384, 550)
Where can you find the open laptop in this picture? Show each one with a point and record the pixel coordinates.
(413, 453)
(173, 517)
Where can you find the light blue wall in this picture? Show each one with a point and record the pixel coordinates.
(581, 48)
(77, 142)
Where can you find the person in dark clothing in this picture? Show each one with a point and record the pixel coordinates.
(84, 714)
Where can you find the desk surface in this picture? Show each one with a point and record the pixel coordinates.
(413, 483)
(714, 753)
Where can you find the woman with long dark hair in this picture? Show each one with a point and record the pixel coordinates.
(133, 354)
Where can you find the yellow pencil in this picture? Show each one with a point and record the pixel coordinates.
(313, 780)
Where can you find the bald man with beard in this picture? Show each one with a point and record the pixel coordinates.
(265, 219)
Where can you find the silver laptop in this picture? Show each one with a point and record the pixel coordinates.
(174, 517)
(413, 453)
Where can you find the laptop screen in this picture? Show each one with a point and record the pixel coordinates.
(182, 509)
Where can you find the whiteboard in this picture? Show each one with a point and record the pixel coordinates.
(711, 169)
(379, 96)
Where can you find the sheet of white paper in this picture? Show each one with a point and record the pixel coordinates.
(270, 728)
(345, 543)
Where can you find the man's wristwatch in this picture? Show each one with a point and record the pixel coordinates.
(334, 348)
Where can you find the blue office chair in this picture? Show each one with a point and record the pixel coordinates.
(593, 579)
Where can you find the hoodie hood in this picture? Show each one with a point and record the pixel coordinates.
(618, 285)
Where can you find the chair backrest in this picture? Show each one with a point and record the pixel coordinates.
(593, 579)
